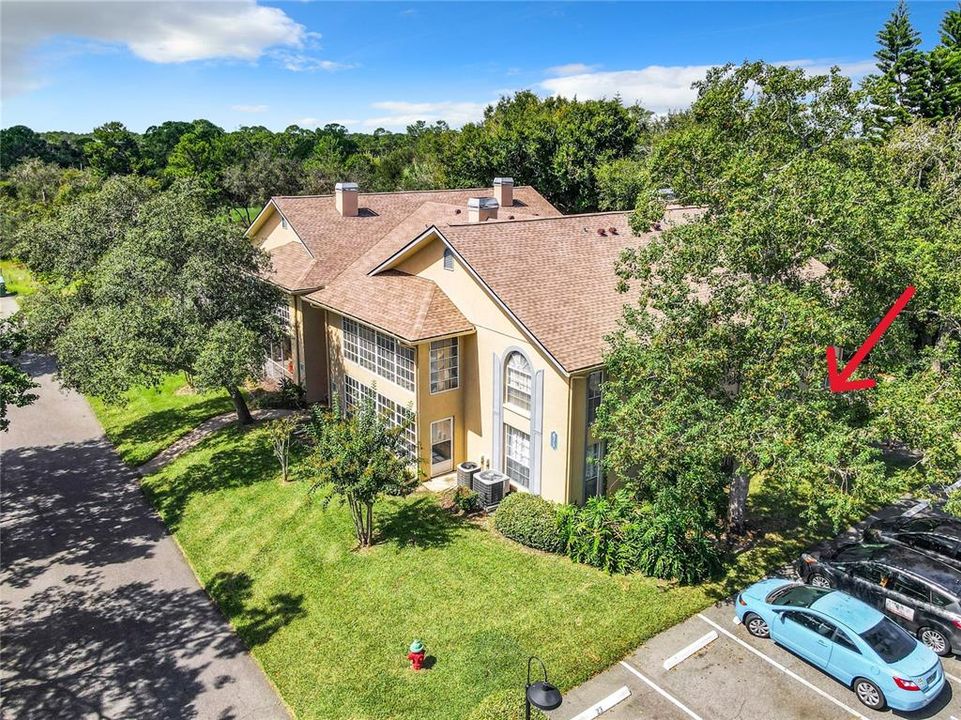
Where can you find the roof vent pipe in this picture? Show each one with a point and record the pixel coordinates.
(345, 197)
(481, 209)
(504, 191)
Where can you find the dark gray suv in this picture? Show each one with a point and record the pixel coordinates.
(934, 534)
(918, 591)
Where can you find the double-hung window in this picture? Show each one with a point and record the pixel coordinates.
(518, 385)
(444, 370)
(518, 464)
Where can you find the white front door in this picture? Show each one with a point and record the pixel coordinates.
(441, 446)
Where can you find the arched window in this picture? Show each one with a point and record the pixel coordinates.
(517, 389)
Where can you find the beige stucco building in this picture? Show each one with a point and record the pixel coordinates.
(483, 312)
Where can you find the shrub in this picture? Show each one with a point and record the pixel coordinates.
(503, 705)
(460, 499)
(605, 532)
(530, 520)
(467, 501)
(673, 548)
(668, 540)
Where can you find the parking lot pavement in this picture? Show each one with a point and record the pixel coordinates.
(733, 677)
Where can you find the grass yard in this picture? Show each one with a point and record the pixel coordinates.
(18, 278)
(150, 419)
(331, 625)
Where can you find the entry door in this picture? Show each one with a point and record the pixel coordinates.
(441, 446)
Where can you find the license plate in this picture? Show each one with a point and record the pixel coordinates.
(931, 678)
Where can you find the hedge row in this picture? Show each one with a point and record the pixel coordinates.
(615, 534)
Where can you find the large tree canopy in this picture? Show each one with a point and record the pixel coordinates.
(810, 235)
(146, 283)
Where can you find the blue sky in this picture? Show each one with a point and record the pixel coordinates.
(75, 65)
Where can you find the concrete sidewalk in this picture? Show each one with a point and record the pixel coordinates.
(101, 615)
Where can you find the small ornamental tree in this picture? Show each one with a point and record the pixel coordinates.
(361, 457)
(281, 434)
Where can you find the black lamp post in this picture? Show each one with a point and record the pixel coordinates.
(540, 694)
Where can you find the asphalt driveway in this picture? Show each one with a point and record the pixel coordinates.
(101, 616)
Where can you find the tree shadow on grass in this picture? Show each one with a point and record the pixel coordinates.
(237, 465)
(416, 522)
(169, 424)
(233, 592)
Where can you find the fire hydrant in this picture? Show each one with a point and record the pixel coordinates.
(416, 655)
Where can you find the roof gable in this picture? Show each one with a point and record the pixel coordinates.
(336, 242)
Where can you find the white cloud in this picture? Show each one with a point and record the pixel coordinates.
(658, 88)
(571, 69)
(160, 32)
(401, 114)
(302, 62)
(663, 88)
(249, 108)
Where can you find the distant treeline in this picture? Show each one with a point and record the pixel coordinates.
(582, 154)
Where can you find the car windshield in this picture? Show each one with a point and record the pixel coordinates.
(889, 641)
(797, 595)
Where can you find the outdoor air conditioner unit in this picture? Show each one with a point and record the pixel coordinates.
(491, 487)
(466, 472)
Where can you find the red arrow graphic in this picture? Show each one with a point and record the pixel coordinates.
(839, 380)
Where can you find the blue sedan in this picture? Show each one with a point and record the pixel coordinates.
(865, 650)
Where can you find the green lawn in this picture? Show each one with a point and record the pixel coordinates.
(18, 278)
(331, 624)
(150, 419)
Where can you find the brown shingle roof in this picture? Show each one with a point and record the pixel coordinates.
(556, 275)
(411, 307)
(335, 242)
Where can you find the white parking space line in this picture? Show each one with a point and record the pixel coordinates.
(682, 655)
(604, 705)
(949, 676)
(783, 669)
(664, 693)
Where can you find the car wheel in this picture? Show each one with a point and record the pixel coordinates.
(756, 626)
(869, 694)
(820, 580)
(936, 640)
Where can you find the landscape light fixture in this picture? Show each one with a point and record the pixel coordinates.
(540, 694)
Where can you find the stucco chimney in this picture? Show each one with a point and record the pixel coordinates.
(481, 209)
(504, 191)
(345, 197)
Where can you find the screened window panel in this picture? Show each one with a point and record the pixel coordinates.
(379, 353)
(356, 393)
